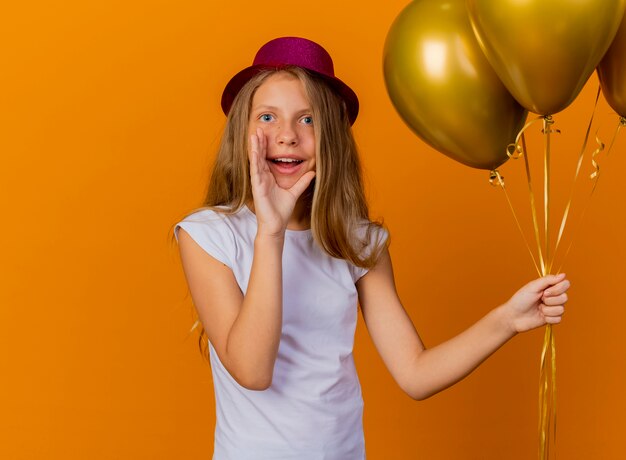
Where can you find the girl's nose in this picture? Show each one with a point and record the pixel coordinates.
(286, 136)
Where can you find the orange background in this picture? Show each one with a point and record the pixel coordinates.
(109, 121)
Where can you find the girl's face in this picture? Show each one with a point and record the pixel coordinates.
(281, 109)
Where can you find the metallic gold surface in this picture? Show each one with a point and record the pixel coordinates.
(444, 88)
(612, 72)
(544, 51)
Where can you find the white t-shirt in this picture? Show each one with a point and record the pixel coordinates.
(313, 409)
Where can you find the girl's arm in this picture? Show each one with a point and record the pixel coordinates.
(422, 372)
(245, 329)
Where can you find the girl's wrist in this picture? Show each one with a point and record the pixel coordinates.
(269, 236)
(506, 320)
(270, 229)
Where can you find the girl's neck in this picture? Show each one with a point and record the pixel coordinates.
(300, 217)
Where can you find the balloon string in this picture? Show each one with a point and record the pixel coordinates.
(621, 123)
(553, 362)
(546, 385)
(547, 389)
(497, 179)
(514, 151)
(578, 166)
(542, 390)
(547, 122)
(533, 208)
(547, 394)
(595, 176)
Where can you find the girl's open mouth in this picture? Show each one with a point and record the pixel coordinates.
(286, 161)
(285, 165)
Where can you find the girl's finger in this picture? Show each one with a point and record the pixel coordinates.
(253, 153)
(555, 311)
(299, 187)
(262, 143)
(545, 282)
(552, 319)
(557, 289)
(555, 300)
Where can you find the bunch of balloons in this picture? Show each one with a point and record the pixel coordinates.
(462, 74)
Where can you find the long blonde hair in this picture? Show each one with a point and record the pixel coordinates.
(340, 221)
(339, 214)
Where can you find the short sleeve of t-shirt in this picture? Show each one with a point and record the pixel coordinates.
(211, 232)
(378, 235)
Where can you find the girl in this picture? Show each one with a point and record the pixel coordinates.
(282, 252)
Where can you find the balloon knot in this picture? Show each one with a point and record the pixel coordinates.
(547, 122)
(496, 179)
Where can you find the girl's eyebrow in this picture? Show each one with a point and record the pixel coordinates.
(264, 107)
(275, 109)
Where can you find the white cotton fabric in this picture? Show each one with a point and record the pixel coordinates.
(313, 409)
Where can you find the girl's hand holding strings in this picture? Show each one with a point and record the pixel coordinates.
(540, 302)
(273, 205)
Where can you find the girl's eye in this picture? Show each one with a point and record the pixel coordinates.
(307, 120)
(266, 117)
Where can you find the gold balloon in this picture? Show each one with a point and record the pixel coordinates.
(612, 72)
(444, 88)
(545, 50)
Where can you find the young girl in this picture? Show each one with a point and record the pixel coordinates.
(282, 252)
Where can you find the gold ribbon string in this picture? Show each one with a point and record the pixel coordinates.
(578, 166)
(621, 123)
(594, 163)
(521, 151)
(544, 412)
(515, 147)
(547, 122)
(545, 396)
(553, 356)
(496, 179)
(547, 386)
(533, 208)
(547, 381)
(595, 176)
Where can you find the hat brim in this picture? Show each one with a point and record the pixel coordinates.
(240, 79)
